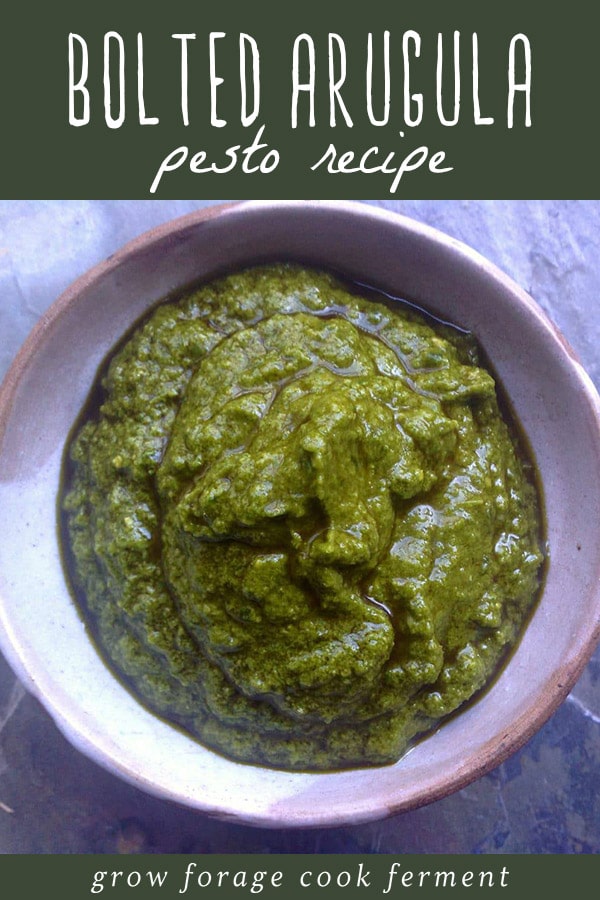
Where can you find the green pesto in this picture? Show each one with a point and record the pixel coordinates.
(297, 521)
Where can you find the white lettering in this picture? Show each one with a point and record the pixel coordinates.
(386, 80)
(335, 98)
(477, 117)
(78, 86)
(143, 118)
(215, 80)
(248, 118)
(307, 86)
(114, 121)
(184, 38)
(439, 81)
(414, 38)
(514, 85)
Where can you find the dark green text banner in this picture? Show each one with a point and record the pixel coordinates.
(440, 98)
(300, 876)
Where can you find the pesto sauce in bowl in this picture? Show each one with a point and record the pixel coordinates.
(297, 521)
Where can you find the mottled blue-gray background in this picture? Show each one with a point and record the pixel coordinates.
(544, 799)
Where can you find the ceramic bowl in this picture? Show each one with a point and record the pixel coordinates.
(41, 632)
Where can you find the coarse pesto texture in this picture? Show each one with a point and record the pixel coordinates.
(297, 521)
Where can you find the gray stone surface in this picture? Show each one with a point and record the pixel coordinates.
(544, 799)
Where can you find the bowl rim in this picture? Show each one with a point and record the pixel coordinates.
(491, 754)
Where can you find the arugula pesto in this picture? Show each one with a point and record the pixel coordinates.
(297, 521)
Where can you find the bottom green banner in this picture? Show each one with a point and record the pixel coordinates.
(309, 876)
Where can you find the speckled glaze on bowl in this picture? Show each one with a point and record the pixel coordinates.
(41, 632)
